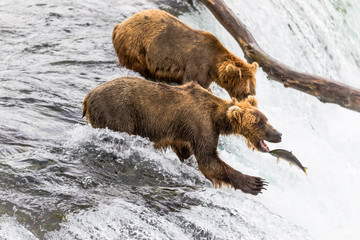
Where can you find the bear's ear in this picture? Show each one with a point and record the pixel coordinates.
(234, 114)
(254, 66)
(232, 69)
(252, 101)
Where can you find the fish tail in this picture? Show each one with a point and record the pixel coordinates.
(305, 168)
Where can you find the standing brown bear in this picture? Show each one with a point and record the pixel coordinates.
(187, 118)
(158, 45)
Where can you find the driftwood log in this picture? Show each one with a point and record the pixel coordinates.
(325, 90)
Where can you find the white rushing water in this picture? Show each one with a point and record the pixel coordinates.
(100, 184)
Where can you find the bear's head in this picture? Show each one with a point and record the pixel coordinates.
(249, 122)
(238, 78)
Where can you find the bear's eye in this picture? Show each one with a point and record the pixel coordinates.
(260, 123)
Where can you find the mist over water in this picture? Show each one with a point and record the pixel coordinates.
(62, 179)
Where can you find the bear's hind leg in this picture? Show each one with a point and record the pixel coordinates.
(135, 65)
(182, 150)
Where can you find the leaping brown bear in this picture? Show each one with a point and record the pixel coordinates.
(160, 46)
(187, 118)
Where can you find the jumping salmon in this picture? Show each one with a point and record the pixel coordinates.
(289, 157)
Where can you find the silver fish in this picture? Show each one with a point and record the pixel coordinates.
(287, 156)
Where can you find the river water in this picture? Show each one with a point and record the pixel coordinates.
(62, 179)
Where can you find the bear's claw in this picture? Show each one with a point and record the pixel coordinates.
(249, 184)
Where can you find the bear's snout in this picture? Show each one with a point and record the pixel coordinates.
(275, 137)
(278, 137)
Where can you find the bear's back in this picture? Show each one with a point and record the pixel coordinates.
(149, 109)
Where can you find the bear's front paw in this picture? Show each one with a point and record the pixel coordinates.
(248, 184)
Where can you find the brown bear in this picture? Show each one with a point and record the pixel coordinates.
(160, 46)
(187, 118)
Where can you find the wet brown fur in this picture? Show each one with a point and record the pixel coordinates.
(158, 45)
(186, 118)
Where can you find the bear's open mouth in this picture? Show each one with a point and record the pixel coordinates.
(263, 147)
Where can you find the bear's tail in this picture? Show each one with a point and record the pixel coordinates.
(85, 106)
